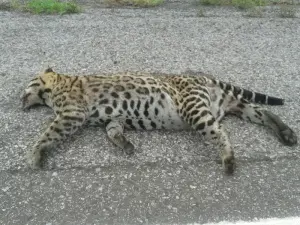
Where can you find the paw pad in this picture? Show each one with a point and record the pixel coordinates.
(288, 137)
(129, 148)
(229, 164)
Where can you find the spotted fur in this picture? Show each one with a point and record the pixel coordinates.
(147, 102)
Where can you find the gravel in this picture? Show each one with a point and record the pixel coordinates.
(173, 178)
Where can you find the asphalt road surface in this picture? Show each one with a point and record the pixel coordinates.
(173, 177)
